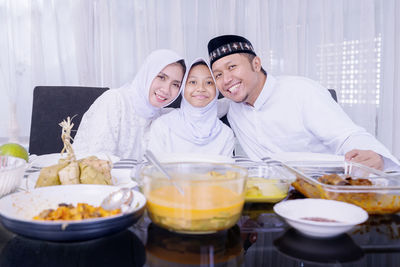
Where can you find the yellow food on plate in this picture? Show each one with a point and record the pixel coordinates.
(69, 174)
(265, 190)
(69, 212)
(95, 171)
(49, 175)
(89, 170)
(202, 208)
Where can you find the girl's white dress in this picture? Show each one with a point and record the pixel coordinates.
(191, 130)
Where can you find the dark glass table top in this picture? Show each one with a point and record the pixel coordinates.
(260, 238)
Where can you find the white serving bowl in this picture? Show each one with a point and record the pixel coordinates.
(344, 215)
(11, 172)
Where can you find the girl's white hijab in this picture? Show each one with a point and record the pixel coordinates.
(137, 91)
(199, 125)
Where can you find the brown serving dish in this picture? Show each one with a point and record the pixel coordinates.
(373, 190)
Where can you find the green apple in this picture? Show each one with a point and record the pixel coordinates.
(15, 150)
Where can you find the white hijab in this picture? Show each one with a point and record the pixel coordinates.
(137, 91)
(198, 125)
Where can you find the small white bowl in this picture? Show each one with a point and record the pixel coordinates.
(11, 172)
(339, 216)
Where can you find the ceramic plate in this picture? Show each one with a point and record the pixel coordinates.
(121, 178)
(18, 209)
(191, 157)
(52, 159)
(303, 156)
(320, 217)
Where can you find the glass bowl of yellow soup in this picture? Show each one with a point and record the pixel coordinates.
(267, 183)
(200, 198)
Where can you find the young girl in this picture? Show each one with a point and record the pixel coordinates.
(118, 119)
(194, 127)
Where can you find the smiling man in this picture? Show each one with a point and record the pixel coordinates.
(287, 113)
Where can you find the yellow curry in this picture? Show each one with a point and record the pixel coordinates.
(265, 190)
(202, 208)
(70, 212)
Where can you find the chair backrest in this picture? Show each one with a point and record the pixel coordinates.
(333, 94)
(53, 104)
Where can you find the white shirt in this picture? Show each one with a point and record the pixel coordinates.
(191, 129)
(296, 114)
(117, 121)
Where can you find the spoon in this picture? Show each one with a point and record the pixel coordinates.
(151, 158)
(118, 199)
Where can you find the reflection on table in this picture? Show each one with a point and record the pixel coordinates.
(121, 249)
(260, 238)
(336, 249)
(165, 248)
(271, 242)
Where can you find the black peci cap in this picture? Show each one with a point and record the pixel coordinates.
(224, 45)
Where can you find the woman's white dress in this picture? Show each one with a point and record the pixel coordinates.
(117, 121)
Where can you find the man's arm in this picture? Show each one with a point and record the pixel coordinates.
(367, 150)
(328, 121)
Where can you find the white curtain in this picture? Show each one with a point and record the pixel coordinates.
(350, 45)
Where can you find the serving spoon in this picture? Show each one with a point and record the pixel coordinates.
(124, 196)
(152, 159)
(118, 199)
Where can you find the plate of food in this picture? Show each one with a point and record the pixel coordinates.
(66, 167)
(54, 158)
(89, 170)
(67, 213)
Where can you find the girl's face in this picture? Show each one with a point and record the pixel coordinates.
(200, 87)
(165, 86)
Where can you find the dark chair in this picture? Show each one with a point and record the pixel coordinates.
(224, 119)
(53, 104)
(333, 94)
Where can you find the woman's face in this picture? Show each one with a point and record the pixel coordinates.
(165, 86)
(200, 87)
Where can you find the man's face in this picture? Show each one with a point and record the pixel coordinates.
(236, 78)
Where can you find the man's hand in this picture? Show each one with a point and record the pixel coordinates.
(365, 157)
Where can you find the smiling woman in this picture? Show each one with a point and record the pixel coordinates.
(118, 119)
